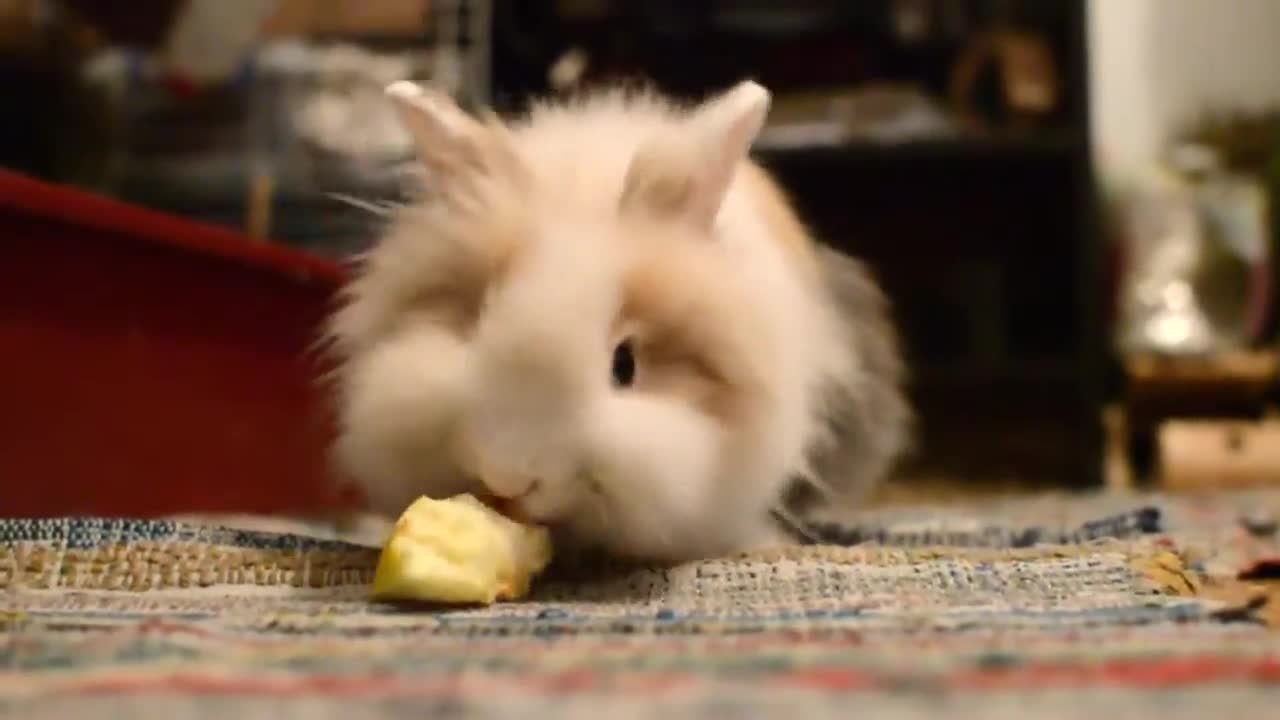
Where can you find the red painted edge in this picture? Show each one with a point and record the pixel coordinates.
(83, 209)
(1134, 674)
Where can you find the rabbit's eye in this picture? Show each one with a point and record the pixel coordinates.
(624, 364)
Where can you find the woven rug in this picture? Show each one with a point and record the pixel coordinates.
(1049, 607)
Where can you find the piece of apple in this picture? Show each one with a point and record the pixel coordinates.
(459, 550)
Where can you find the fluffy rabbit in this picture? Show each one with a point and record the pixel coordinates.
(606, 313)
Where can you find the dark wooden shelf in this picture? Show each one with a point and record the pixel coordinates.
(1052, 145)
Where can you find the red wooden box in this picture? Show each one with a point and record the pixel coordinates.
(152, 365)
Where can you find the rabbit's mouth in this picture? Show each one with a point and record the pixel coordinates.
(514, 508)
(549, 505)
(510, 508)
(507, 507)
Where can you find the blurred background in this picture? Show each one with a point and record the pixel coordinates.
(1068, 201)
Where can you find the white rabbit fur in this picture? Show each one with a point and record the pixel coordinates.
(476, 339)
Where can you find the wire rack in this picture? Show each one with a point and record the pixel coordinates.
(277, 149)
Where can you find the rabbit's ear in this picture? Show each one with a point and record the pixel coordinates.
(449, 142)
(725, 128)
(689, 175)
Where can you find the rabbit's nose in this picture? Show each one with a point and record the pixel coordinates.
(503, 484)
(497, 480)
(514, 505)
(510, 488)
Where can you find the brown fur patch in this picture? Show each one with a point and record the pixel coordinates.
(784, 225)
(436, 263)
(455, 293)
(684, 344)
(689, 341)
